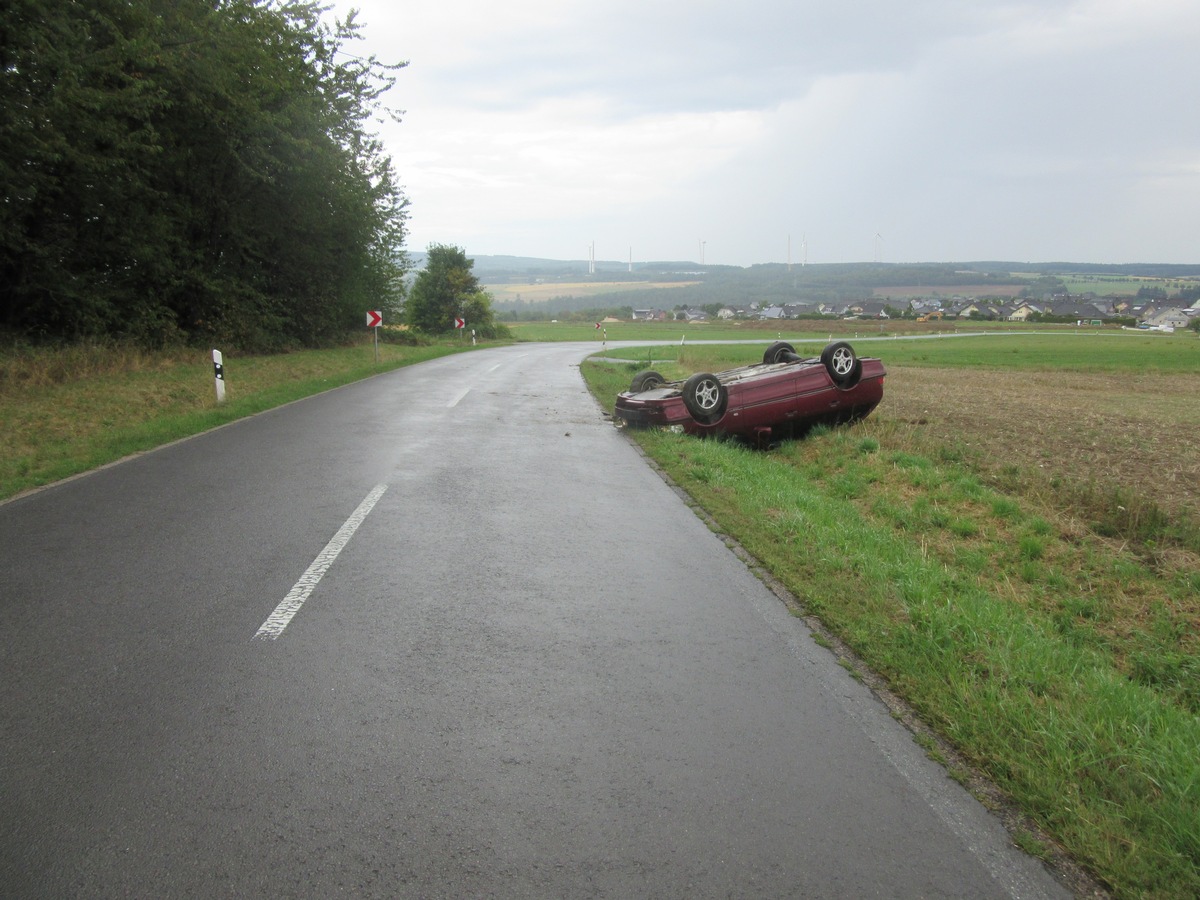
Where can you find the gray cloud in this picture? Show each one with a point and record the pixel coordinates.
(1037, 130)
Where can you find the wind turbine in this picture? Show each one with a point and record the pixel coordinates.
(878, 241)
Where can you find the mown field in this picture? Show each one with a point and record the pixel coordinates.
(1126, 285)
(789, 330)
(1010, 544)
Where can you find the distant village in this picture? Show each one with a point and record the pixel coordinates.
(1085, 309)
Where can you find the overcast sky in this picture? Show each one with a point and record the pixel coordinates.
(915, 131)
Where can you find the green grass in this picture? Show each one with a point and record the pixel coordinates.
(1077, 352)
(63, 412)
(720, 330)
(673, 332)
(1087, 351)
(1062, 665)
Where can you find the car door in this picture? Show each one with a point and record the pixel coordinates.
(763, 400)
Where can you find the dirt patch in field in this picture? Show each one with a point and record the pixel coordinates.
(1135, 434)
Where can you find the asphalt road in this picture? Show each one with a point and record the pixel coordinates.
(442, 633)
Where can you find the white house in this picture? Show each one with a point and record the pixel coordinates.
(1174, 317)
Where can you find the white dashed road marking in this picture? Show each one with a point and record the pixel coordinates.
(291, 604)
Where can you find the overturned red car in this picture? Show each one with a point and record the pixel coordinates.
(783, 396)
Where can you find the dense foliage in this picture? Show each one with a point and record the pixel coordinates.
(192, 170)
(446, 290)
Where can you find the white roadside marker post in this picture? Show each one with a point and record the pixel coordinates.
(219, 375)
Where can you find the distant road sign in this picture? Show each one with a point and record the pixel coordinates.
(460, 323)
(374, 318)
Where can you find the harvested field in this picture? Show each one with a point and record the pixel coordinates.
(540, 292)
(1117, 431)
(1079, 445)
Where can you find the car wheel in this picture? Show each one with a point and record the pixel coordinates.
(841, 362)
(780, 351)
(705, 397)
(645, 381)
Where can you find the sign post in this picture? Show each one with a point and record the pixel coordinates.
(460, 324)
(374, 320)
(219, 375)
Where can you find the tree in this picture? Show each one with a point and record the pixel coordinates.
(480, 318)
(445, 290)
(76, 148)
(195, 169)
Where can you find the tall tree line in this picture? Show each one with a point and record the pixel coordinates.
(192, 170)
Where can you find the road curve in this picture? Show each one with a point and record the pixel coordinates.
(506, 661)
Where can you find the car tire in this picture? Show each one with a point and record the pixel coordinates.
(780, 351)
(705, 398)
(842, 363)
(646, 381)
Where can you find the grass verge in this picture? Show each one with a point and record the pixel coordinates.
(67, 411)
(1060, 661)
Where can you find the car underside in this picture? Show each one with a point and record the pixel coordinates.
(783, 396)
